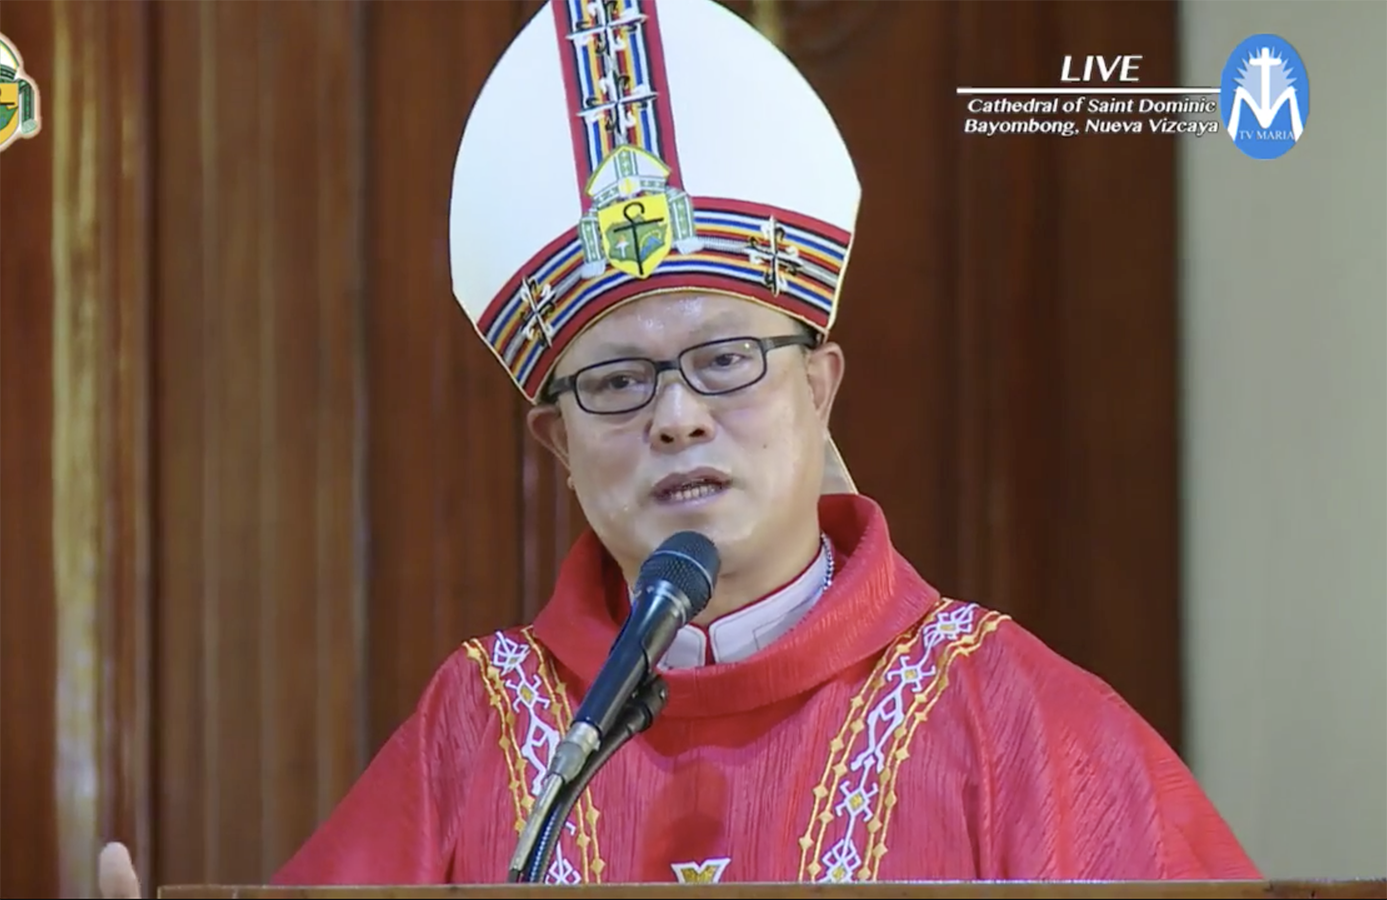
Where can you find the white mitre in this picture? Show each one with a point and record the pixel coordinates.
(629, 147)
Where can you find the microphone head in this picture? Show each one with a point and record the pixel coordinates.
(688, 561)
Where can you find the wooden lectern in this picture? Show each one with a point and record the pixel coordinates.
(882, 890)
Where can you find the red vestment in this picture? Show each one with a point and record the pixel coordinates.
(892, 734)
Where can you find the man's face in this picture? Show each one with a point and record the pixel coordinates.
(744, 468)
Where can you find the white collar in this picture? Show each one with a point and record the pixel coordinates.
(741, 633)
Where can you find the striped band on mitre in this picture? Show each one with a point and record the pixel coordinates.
(623, 148)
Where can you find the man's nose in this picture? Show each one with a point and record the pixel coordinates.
(680, 417)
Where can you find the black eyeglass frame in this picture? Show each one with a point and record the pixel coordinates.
(560, 386)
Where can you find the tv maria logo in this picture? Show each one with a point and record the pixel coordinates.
(1264, 96)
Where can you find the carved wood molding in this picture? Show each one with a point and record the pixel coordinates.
(96, 116)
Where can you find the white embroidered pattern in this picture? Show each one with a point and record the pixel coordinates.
(860, 788)
(528, 697)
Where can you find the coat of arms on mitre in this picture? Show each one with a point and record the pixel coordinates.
(635, 217)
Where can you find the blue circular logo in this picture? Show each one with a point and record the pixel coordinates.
(1264, 96)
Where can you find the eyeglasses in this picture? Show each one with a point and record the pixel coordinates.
(619, 386)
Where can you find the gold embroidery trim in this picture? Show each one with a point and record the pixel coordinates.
(494, 684)
(585, 811)
(921, 704)
(591, 863)
(965, 645)
(821, 816)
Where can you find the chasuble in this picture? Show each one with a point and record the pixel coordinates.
(889, 733)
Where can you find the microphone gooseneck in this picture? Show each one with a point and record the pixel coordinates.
(638, 715)
(674, 585)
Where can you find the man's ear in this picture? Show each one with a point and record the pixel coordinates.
(825, 368)
(547, 426)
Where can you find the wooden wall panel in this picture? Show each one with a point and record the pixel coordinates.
(259, 393)
(75, 602)
(28, 616)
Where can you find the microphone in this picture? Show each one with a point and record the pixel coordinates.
(674, 585)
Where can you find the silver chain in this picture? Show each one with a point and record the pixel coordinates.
(828, 552)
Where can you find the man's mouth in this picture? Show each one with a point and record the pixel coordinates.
(689, 486)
